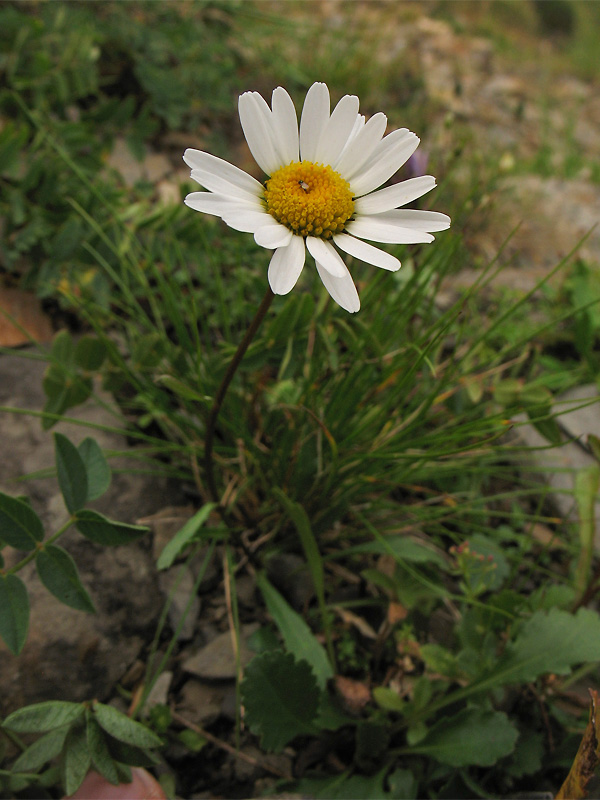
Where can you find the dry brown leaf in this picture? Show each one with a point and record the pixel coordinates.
(358, 622)
(354, 694)
(26, 310)
(576, 786)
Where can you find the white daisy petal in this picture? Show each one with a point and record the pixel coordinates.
(386, 160)
(258, 134)
(380, 230)
(366, 252)
(338, 130)
(273, 235)
(418, 220)
(216, 204)
(315, 115)
(285, 123)
(218, 185)
(198, 160)
(286, 266)
(360, 145)
(341, 289)
(394, 196)
(326, 255)
(244, 219)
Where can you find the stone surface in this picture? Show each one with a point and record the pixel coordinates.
(579, 411)
(71, 655)
(216, 661)
(177, 585)
(201, 703)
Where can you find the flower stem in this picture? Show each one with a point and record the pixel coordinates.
(222, 391)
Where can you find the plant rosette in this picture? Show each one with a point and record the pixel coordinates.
(320, 191)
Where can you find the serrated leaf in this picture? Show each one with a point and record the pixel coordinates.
(123, 728)
(96, 468)
(59, 575)
(184, 536)
(14, 612)
(42, 717)
(72, 477)
(20, 526)
(298, 637)
(90, 352)
(76, 759)
(549, 642)
(474, 736)
(281, 698)
(98, 749)
(45, 749)
(98, 528)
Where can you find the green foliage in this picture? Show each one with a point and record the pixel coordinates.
(80, 735)
(14, 612)
(373, 449)
(83, 475)
(473, 736)
(297, 636)
(281, 698)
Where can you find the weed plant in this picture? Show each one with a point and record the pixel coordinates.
(451, 610)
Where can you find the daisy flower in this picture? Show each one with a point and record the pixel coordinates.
(319, 194)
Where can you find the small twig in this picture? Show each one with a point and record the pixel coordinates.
(229, 749)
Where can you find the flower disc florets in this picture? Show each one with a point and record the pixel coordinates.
(309, 199)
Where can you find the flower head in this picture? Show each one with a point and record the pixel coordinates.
(319, 193)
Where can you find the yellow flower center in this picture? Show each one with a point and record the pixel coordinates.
(309, 199)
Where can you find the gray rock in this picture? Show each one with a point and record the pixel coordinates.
(558, 466)
(216, 660)
(200, 702)
(177, 584)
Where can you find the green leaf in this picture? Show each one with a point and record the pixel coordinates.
(43, 717)
(281, 698)
(344, 787)
(62, 350)
(39, 753)
(298, 637)
(129, 754)
(403, 547)
(72, 477)
(59, 575)
(96, 468)
(98, 528)
(90, 352)
(184, 536)
(14, 612)
(20, 526)
(123, 728)
(474, 736)
(549, 642)
(76, 759)
(388, 699)
(302, 524)
(98, 749)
